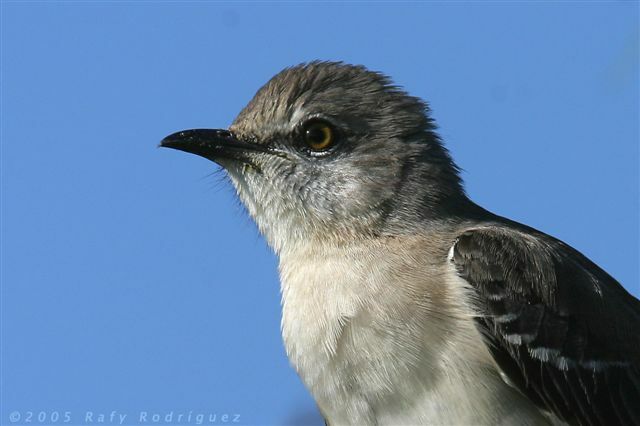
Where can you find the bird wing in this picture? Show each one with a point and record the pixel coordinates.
(562, 330)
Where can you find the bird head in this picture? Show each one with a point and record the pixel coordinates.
(329, 151)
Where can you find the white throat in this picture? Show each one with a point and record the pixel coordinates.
(379, 329)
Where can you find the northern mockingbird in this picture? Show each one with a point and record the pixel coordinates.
(403, 301)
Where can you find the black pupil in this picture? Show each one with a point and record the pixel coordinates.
(315, 134)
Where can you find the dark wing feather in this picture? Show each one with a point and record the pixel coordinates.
(565, 332)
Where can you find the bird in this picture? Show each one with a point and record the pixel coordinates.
(403, 301)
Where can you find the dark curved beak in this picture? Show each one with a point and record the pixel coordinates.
(212, 144)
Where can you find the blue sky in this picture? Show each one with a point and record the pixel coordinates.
(133, 281)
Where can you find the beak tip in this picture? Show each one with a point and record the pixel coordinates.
(173, 140)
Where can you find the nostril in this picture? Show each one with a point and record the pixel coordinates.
(224, 133)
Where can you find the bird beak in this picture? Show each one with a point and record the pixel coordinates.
(212, 144)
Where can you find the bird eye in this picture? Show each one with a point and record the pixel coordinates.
(318, 135)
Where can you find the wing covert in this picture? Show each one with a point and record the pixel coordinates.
(564, 331)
